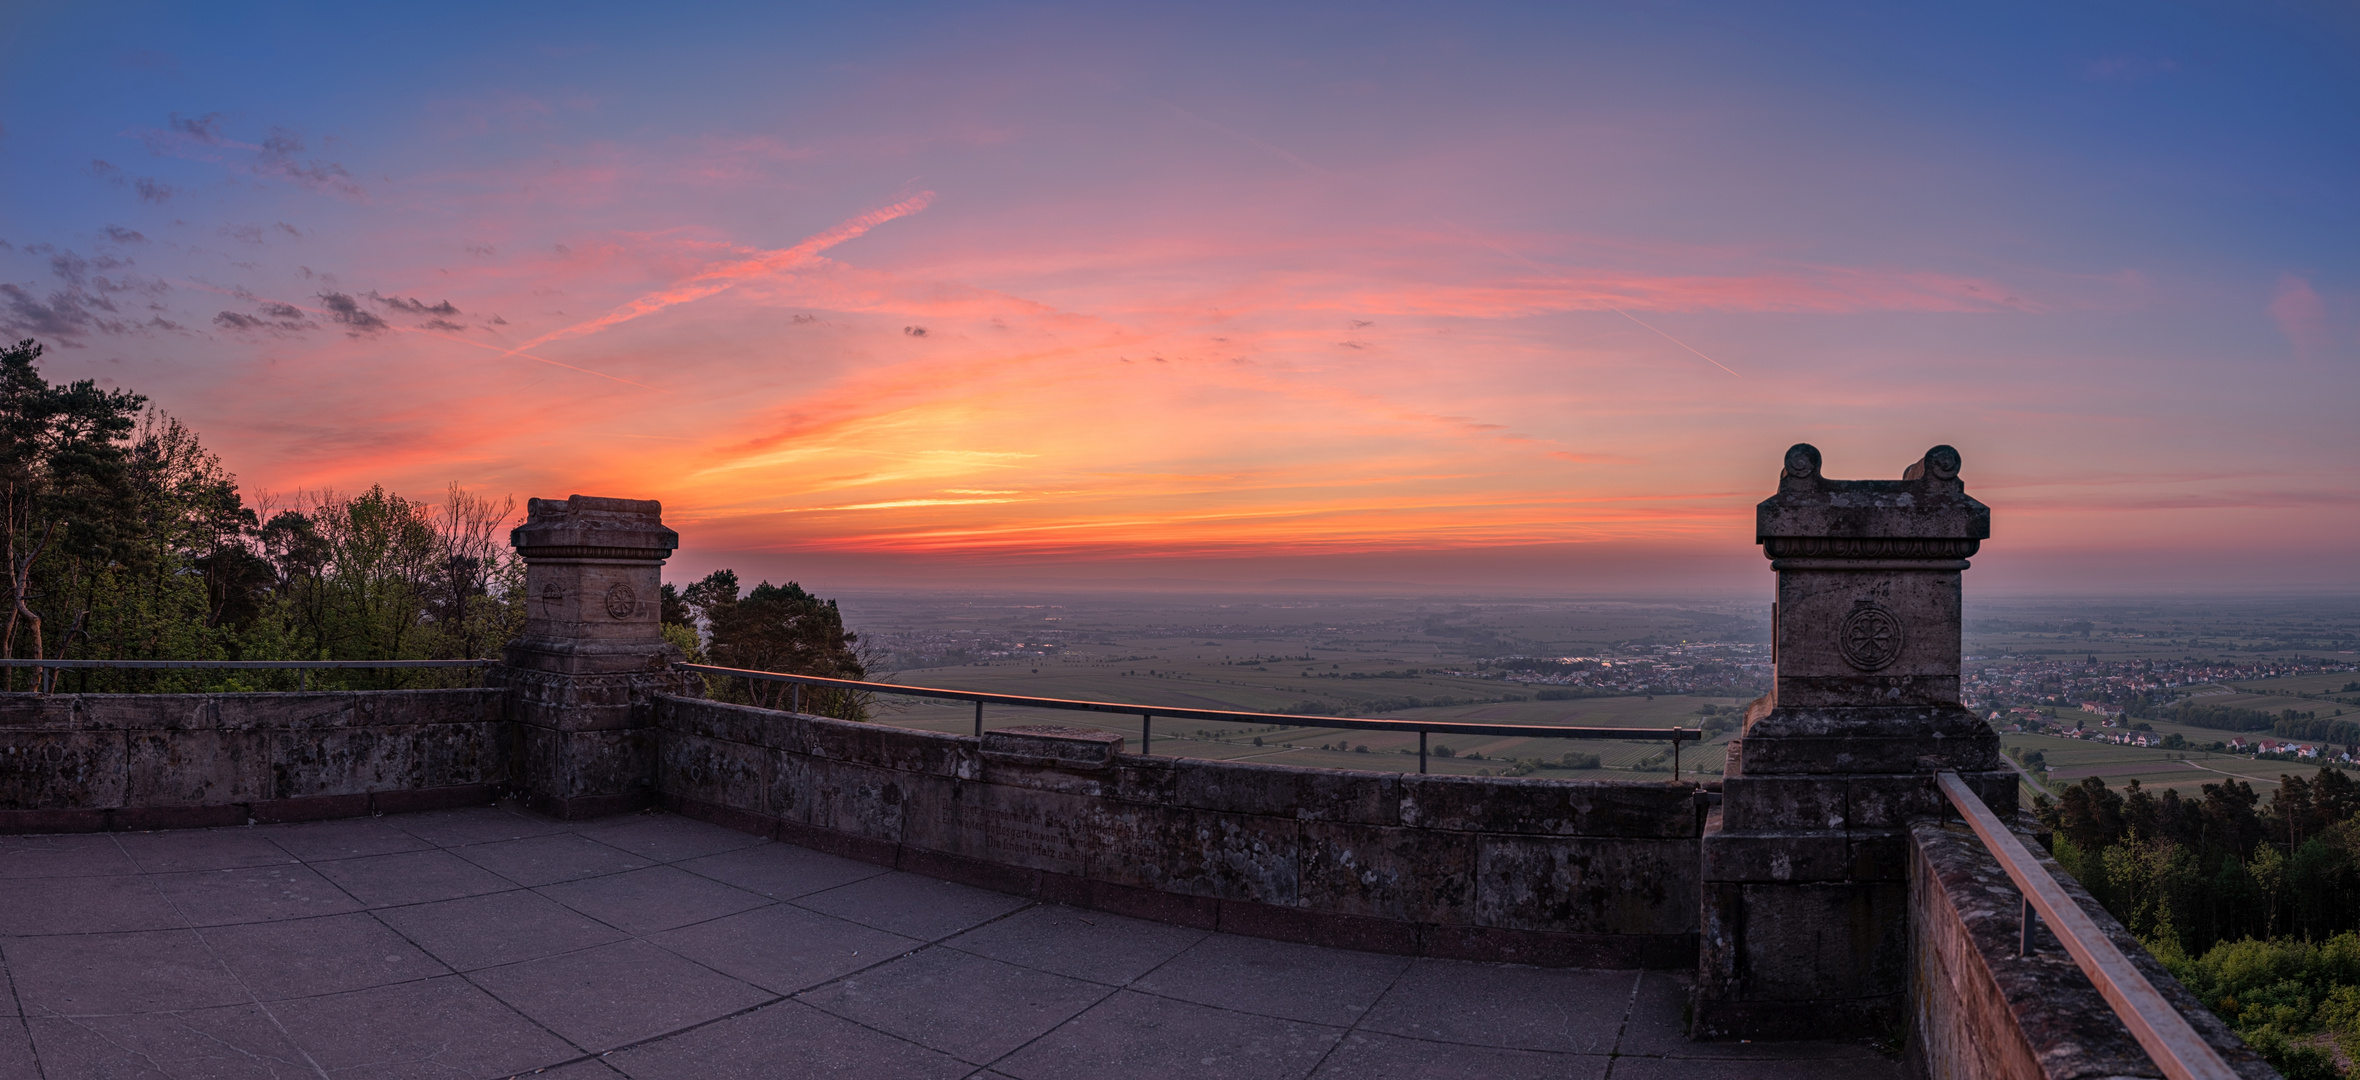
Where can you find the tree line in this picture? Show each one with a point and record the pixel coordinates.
(2248, 904)
(126, 539)
(2306, 724)
(771, 628)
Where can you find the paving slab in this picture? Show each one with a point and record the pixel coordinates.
(753, 1046)
(1134, 1034)
(912, 906)
(89, 905)
(93, 974)
(782, 871)
(436, 945)
(352, 838)
(785, 949)
(619, 994)
(67, 855)
(668, 837)
(169, 850)
(435, 1027)
(16, 1050)
(1276, 978)
(652, 900)
(502, 928)
(412, 877)
(253, 894)
(587, 1069)
(969, 1007)
(239, 1042)
(1082, 944)
(547, 860)
(1668, 1068)
(1567, 1010)
(310, 957)
(1367, 1055)
(475, 825)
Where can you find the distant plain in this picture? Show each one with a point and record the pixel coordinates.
(1346, 655)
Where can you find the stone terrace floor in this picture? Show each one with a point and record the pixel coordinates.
(489, 942)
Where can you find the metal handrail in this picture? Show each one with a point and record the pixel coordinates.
(47, 679)
(1146, 713)
(2175, 1046)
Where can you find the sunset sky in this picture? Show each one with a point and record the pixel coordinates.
(878, 295)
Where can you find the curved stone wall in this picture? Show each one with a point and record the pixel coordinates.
(91, 762)
(1600, 874)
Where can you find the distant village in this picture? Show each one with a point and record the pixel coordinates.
(2108, 700)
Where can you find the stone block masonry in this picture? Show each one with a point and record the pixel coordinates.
(1821, 896)
(1804, 910)
(1531, 871)
(592, 654)
(90, 762)
(1981, 1011)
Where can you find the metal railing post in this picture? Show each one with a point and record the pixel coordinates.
(1277, 721)
(2024, 937)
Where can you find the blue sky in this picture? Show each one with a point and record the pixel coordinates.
(1513, 290)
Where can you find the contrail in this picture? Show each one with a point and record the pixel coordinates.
(1675, 341)
(726, 275)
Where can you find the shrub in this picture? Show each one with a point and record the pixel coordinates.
(2294, 1060)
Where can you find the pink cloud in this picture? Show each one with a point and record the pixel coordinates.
(2301, 315)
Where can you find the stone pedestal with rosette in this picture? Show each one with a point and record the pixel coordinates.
(581, 676)
(1804, 929)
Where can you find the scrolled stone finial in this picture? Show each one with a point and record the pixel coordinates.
(1802, 466)
(1940, 464)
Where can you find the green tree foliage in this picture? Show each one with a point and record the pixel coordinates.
(2277, 992)
(2249, 905)
(126, 540)
(64, 469)
(2216, 717)
(783, 629)
(2344, 732)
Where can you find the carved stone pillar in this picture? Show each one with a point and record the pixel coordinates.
(580, 677)
(1805, 907)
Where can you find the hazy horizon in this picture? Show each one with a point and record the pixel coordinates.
(1456, 297)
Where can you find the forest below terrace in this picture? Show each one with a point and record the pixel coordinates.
(2250, 905)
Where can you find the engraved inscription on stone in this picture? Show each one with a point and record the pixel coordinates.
(1011, 833)
(621, 601)
(1871, 636)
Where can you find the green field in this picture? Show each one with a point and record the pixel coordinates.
(2070, 760)
(1363, 655)
(1250, 655)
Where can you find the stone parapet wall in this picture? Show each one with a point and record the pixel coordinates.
(1981, 1012)
(1531, 871)
(89, 762)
